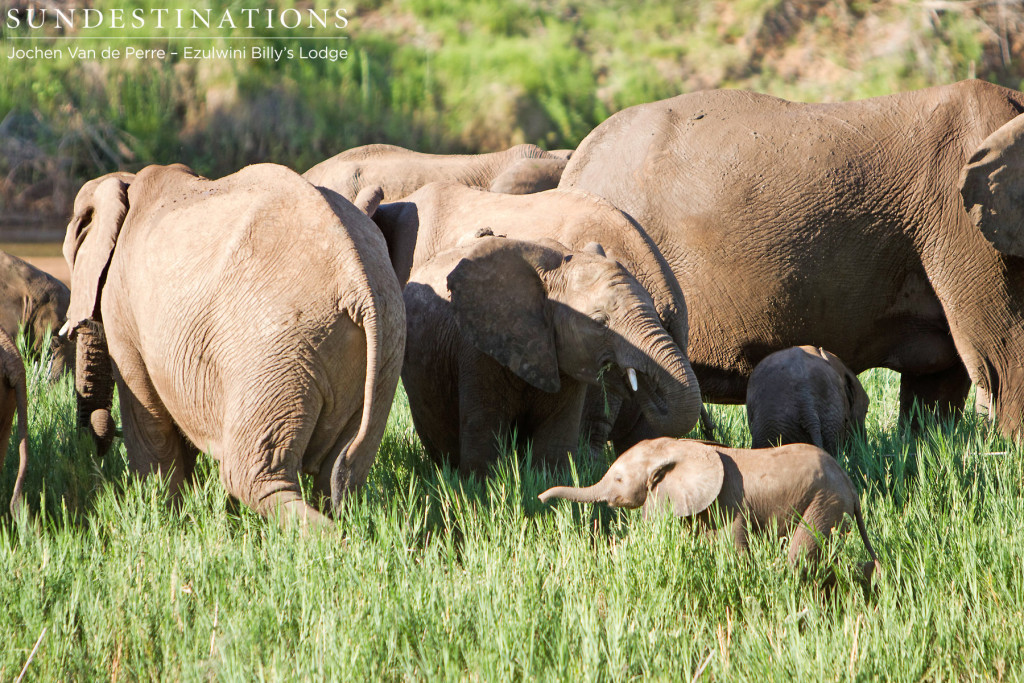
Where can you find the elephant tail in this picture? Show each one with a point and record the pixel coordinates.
(352, 466)
(859, 518)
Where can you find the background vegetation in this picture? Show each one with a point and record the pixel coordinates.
(429, 576)
(468, 76)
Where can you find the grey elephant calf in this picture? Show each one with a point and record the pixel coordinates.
(804, 394)
(798, 487)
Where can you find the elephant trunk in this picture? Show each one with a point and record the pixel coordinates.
(94, 385)
(666, 386)
(589, 494)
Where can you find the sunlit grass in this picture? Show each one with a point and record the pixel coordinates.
(427, 575)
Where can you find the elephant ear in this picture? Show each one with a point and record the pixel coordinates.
(100, 211)
(992, 186)
(688, 479)
(500, 304)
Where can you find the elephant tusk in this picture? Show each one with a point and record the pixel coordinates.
(64, 329)
(631, 373)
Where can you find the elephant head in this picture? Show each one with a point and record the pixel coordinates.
(545, 312)
(686, 475)
(100, 210)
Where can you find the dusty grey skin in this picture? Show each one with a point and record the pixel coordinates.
(441, 216)
(798, 487)
(255, 317)
(13, 399)
(38, 301)
(400, 172)
(509, 334)
(842, 225)
(804, 394)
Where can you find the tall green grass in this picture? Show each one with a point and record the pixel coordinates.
(430, 576)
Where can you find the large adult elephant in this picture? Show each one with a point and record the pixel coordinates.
(255, 316)
(399, 172)
(839, 225)
(37, 301)
(441, 216)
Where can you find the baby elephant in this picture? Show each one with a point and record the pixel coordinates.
(799, 487)
(804, 394)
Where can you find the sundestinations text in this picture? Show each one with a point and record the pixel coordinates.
(120, 18)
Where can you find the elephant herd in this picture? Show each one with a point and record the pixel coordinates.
(723, 246)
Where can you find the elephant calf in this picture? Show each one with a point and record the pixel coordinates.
(13, 398)
(798, 487)
(38, 301)
(804, 394)
(255, 316)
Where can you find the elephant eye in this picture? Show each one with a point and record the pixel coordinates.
(600, 319)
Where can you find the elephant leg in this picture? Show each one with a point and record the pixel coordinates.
(739, 534)
(820, 517)
(488, 403)
(942, 393)
(151, 438)
(556, 420)
(600, 411)
(262, 454)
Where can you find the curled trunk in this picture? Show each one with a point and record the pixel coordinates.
(94, 384)
(667, 393)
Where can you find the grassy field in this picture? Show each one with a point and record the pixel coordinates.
(428, 576)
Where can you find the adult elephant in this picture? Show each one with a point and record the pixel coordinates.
(399, 172)
(441, 216)
(37, 301)
(839, 225)
(255, 316)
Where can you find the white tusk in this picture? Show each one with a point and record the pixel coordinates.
(631, 373)
(64, 329)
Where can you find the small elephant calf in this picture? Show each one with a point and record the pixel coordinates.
(804, 394)
(799, 487)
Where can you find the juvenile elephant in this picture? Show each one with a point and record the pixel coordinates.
(13, 399)
(36, 300)
(400, 172)
(440, 216)
(842, 225)
(255, 317)
(505, 334)
(798, 487)
(804, 394)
